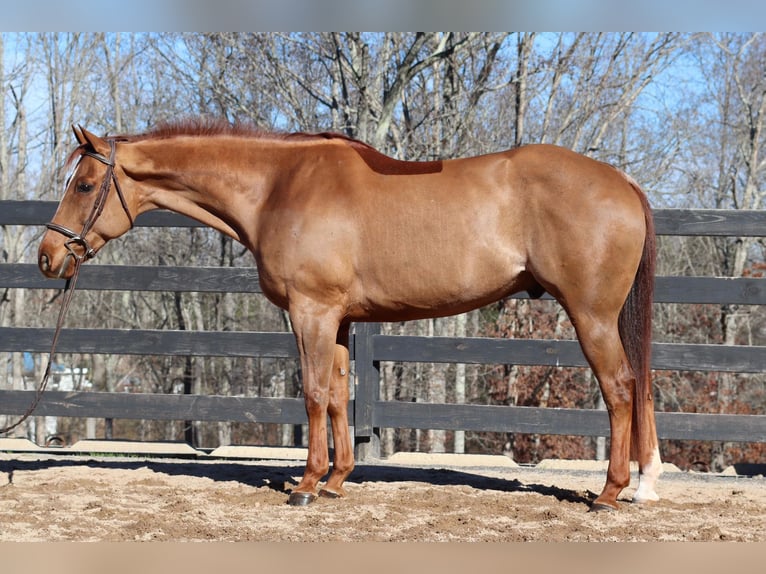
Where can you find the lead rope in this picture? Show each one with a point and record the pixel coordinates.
(65, 301)
(88, 252)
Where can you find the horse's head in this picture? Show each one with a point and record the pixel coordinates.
(92, 211)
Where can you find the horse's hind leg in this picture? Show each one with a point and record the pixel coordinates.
(343, 462)
(650, 463)
(601, 344)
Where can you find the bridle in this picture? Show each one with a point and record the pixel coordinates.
(98, 207)
(87, 253)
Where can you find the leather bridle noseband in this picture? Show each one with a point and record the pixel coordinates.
(98, 207)
(88, 253)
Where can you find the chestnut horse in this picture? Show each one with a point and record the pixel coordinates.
(343, 233)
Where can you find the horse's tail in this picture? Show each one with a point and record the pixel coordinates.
(635, 326)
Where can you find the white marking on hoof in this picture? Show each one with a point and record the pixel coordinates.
(644, 495)
(647, 478)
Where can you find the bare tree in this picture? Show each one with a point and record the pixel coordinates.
(14, 85)
(736, 98)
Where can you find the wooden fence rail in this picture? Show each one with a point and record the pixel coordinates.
(369, 347)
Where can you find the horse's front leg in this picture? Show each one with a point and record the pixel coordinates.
(343, 463)
(315, 332)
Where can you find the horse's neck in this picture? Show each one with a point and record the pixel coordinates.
(218, 183)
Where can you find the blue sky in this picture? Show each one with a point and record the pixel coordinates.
(382, 15)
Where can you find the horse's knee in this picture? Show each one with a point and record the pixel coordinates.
(316, 402)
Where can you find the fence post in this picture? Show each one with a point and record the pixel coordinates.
(367, 392)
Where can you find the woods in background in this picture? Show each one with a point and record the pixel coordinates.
(682, 113)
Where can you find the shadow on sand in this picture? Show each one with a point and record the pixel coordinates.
(283, 476)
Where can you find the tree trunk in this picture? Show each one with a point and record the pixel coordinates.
(460, 383)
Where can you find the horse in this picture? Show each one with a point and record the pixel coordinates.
(342, 233)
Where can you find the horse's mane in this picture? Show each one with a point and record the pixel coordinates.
(208, 127)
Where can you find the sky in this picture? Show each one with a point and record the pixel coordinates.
(383, 15)
(380, 15)
(662, 93)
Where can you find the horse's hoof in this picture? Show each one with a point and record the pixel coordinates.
(645, 500)
(602, 507)
(324, 493)
(301, 498)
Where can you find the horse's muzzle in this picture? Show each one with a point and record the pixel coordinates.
(63, 271)
(44, 264)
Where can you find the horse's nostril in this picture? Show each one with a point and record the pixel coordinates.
(45, 264)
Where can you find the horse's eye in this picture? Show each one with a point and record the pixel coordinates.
(84, 187)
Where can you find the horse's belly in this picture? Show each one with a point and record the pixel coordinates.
(417, 293)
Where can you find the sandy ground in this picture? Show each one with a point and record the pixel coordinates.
(45, 497)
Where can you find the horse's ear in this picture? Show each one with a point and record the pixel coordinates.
(98, 144)
(78, 134)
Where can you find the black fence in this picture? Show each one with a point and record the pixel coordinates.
(369, 347)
